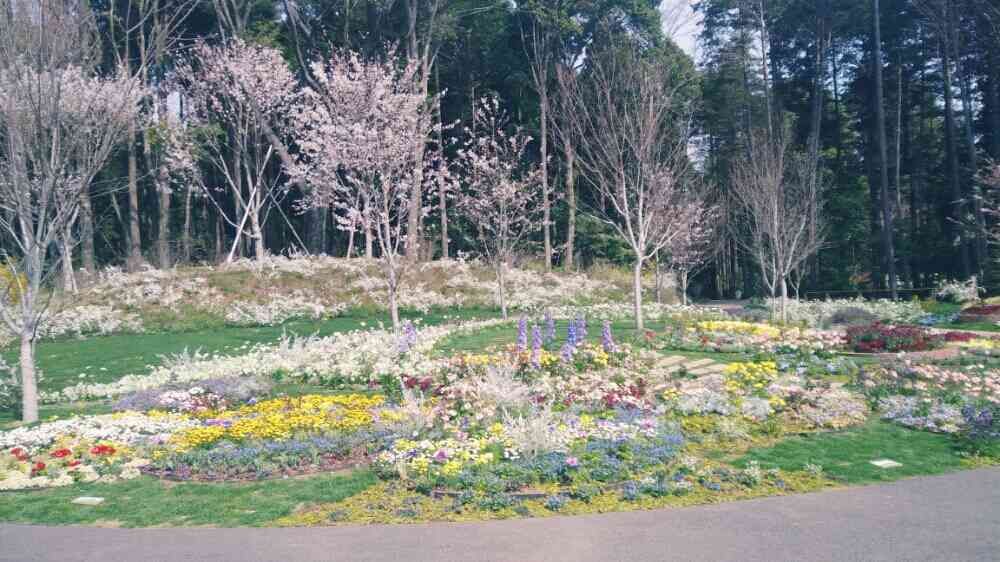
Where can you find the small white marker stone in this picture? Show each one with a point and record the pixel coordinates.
(88, 500)
(886, 463)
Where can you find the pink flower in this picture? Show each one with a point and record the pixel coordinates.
(572, 462)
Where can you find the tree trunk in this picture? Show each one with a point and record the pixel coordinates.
(544, 155)
(163, 233)
(570, 152)
(784, 296)
(87, 233)
(66, 249)
(186, 237)
(952, 153)
(637, 293)
(682, 277)
(888, 250)
(502, 288)
(316, 222)
(29, 385)
(134, 260)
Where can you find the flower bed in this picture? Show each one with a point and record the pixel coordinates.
(882, 338)
(988, 313)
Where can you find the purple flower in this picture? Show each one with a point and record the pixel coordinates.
(607, 341)
(571, 334)
(536, 347)
(408, 338)
(522, 334)
(581, 329)
(441, 455)
(550, 327)
(572, 462)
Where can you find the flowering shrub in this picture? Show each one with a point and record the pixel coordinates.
(280, 310)
(881, 338)
(959, 292)
(819, 313)
(206, 396)
(80, 321)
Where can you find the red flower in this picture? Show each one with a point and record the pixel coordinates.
(73, 463)
(39, 466)
(101, 450)
(61, 453)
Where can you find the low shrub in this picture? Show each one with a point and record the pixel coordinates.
(852, 316)
(882, 338)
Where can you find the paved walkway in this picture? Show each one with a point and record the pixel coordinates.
(955, 517)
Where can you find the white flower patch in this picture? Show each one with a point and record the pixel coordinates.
(358, 357)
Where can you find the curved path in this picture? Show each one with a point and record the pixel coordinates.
(953, 517)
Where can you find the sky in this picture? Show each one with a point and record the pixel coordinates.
(681, 24)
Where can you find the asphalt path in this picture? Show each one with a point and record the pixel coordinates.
(954, 517)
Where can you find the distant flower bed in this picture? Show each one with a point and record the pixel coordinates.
(883, 338)
(981, 313)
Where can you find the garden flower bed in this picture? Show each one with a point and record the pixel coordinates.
(548, 422)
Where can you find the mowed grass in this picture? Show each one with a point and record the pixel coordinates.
(846, 455)
(108, 358)
(148, 502)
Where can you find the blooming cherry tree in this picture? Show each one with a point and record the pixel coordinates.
(246, 91)
(500, 199)
(60, 123)
(695, 244)
(356, 134)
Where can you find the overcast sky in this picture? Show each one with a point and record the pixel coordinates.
(681, 24)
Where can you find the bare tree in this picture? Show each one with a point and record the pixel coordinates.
(632, 130)
(778, 192)
(500, 199)
(537, 36)
(59, 123)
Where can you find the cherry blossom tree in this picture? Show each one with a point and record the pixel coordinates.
(632, 131)
(695, 244)
(356, 135)
(60, 123)
(502, 187)
(241, 93)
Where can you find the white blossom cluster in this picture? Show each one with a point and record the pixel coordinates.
(818, 313)
(82, 321)
(358, 357)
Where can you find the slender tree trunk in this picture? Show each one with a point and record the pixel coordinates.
(87, 233)
(186, 237)
(29, 384)
(134, 261)
(570, 152)
(544, 154)
(970, 142)
(66, 249)
(784, 296)
(163, 233)
(888, 249)
(637, 293)
(952, 151)
(502, 288)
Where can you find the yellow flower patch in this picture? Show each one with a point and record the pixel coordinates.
(282, 418)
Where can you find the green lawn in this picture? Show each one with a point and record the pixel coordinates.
(148, 502)
(107, 358)
(845, 455)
